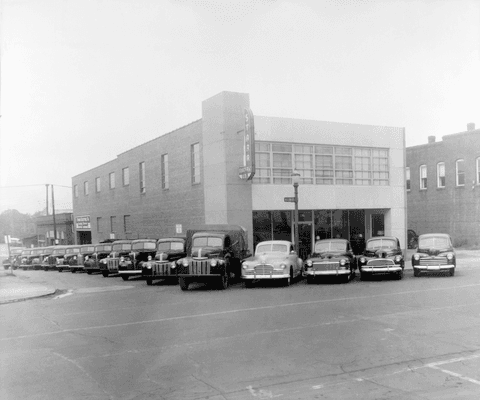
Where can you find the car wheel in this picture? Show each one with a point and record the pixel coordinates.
(310, 279)
(223, 282)
(416, 272)
(452, 271)
(105, 274)
(125, 277)
(60, 270)
(73, 271)
(249, 283)
(399, 275)
(89, 272)
(363, 276)
(149, 281)
(183, 283)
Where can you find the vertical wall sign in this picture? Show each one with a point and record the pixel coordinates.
(247, 171)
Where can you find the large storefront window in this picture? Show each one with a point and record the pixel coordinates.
(282, 225)
(262, 226)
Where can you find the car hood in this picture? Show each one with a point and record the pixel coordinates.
(380, 253)
(168, 255)
(206, 252)
(330, 255)
(433, 252)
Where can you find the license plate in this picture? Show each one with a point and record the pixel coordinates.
(433, 267)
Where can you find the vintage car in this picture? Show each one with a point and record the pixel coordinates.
(44, 257)
(14, 259)
(214, 254)
(142, 250)
(330, 257)
(163, 266)
(121, 250)
(26, 258)
(435, 253)
(382, 256)
(71, 258)
(98, 258)
(56, 258)
(76, 263)
(273, 259)
(43, 253)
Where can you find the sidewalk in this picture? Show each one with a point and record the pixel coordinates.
(14, 288)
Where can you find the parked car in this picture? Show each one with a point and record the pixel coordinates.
(77, 262)
(382, 256)
(14, 259)
(331, 257)
(71, 259)
(163, 266)
(435, 253)
(42, 258)
(56, 258)
(97, 261)
(121, 250)
(142, 250)
(26, 258)
(273, 259)
(214, 254)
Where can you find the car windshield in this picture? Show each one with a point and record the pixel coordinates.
(74, 250)
(104, 248)
(88, 249)
(272, 248)
(381, 244)
(207, 241)
(144, 246)
(322, 247)
(165, 246)
(59, 252)
(434, 242)
(120, 247)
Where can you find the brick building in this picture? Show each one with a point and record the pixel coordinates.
(63, 224)
(352, 180)
(443, 186)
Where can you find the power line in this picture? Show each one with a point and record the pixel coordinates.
(38, 184)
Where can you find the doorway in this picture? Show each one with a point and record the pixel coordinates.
(304, 239)
(84, 237)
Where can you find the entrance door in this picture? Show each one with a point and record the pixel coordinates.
(304, 240)
(378, 225)
(84, 237)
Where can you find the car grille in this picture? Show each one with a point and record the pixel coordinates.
(326, 266)
(199, 267)
(380, 262)
(433, 261)
(161, 268)
(113, 263)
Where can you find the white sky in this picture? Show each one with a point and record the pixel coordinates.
(84, 80)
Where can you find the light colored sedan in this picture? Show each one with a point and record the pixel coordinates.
(273, 259)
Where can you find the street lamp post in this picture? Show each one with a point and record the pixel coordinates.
(295, 181)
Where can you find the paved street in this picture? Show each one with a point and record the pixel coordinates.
(103, 338)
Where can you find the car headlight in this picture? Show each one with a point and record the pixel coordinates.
(74, 257)
(173, 265)
(309, 263)
(398, 258)
(363, 260)
(342, 261)
(86, 258)
(416, 257)
(244, 265)
(185, 263)
(122, 259)
(221, 262)
(149, 266)
(149, 258)
(283, 266)
(213, 263)
(450, 256)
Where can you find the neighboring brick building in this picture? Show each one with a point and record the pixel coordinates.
(64, 227)
(443, 186)
(352, 180)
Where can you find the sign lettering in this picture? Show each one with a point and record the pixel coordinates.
(247, 171)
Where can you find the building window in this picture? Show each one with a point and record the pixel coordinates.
(127, 224)
(195, 160)
(97, 185)
(380, 167)
(363, 166)
(478, 170)
(423, 177)
(111, 180)
(113, 222)
(165, 171)
(126, 176)
(75, 190)
(99, 224)
(85, 188)
(441, 175)
(142, 177)
(407, 178)
(303, 163)
(460, 171)
(343, 166)
(323, 165)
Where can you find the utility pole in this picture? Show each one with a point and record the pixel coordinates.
(54, 222)
(46, 197)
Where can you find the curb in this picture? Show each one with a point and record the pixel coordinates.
(55, 291)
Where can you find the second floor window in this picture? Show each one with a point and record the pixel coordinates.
(142, 177)
(97, 185)
(407, 178)
(85, 188)
(478, 170)
(165, 171)
(423, 176)
(75, 190)
(460, 172)
(127, 223)
(99, 224)
(126, 176)
(195, 162)
(441, 175)
(111, 180)
(113, 222)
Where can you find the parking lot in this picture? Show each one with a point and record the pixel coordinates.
(103, 338)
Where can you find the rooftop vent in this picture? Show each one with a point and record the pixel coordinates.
(471, 126)
(431, 139)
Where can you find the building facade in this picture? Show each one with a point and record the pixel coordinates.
(352, 181)
(46, 229)
(443, 186)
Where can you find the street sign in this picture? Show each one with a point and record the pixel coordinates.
(245, 172)
(289, 199)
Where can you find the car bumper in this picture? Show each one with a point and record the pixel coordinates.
(130, 272)
(380, 270)
(427, 268)
(263, 276)
(328, 272)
